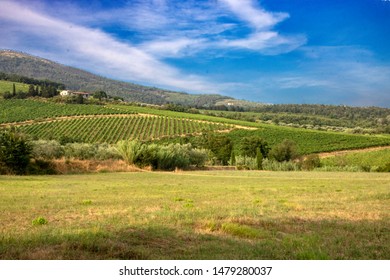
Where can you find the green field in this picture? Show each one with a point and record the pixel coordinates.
(374, 159)
(19, 110)
(196, 215)
(8, 86)
(113, 129)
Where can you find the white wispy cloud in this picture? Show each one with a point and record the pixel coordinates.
(152, 30)
(92, 49)
(190, 27)
(257, 17)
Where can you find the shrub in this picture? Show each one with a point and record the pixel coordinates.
(246, 162)
(80, 151)
(273, 165)
(310, 162)
(47, 149)
(15, 152)
(285, 151)
(129, 150)
(198, 157)
(106, 151)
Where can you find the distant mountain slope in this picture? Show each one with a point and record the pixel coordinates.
(75, 79)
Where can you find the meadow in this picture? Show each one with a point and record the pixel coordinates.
(8, 86)
(196, 215)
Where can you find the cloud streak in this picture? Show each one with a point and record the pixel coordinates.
(94, 49)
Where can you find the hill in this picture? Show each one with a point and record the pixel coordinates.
(13, 62)
(111, 123)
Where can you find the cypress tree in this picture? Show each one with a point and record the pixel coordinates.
(259, 159)
(13, 90)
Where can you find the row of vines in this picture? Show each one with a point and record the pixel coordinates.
(18, 110)
(111, 129)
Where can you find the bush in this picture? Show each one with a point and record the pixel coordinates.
(198, 157)
(161, 157)
(80, 151)
(15, 152)
(273, 165)
(285, 151)
(106, 151)
(310, 162)
(129, 150)
(246, 162)
(47, 149)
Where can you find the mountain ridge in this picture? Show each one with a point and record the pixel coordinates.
(21, 63)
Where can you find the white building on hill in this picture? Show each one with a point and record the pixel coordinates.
(71, 93)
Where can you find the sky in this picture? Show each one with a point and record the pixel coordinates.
(272, 51)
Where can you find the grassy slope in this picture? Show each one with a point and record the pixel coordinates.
(7, 86)
(371, 158)
(196, 215)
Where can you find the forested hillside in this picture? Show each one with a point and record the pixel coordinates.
(12, 62)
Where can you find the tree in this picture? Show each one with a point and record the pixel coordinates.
(79, 99)
(31, 90)
(233, 158)
(285, 151)
(100, 94)
(13, 90)
(250, 144)
(259, 159)
(15, 152)
(221, 146)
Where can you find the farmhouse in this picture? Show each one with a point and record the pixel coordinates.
(70, 93)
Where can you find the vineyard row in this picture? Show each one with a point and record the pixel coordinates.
(114, 129)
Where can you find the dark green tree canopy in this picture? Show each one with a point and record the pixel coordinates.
(250, 144)
(15, 152)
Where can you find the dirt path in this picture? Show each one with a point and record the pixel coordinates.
(344, 152)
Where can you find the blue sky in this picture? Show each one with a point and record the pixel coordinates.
(272, 51)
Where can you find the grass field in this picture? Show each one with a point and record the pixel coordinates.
(369, 158)
(7, 86)
(196, 215)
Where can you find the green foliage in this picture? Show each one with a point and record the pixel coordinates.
(112, 129)
(285, 151)
(221, 146)
(250, 144)
(39, 221)
(273, 165)
(259, 159)
(248, 163)
(310, 162)
(162, 157)
(242, 231)
(232, 158)
(16, 110)
(129, 150)
(47, 149)
(100, 94)
(15, 152)
(374, 161)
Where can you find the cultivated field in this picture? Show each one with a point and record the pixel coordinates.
(196, 215)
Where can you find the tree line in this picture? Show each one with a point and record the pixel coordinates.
(30, 81)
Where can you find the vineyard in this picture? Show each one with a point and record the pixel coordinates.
(18, 110)
(311, 141)
(111, 123)
(111, 129)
